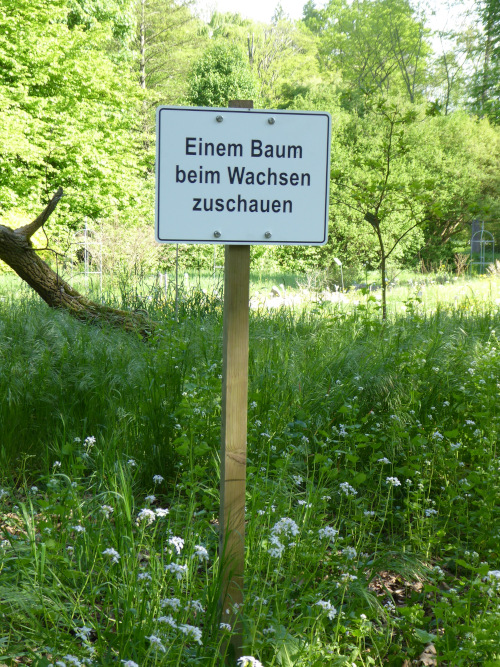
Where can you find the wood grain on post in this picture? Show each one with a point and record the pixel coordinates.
(234, 430)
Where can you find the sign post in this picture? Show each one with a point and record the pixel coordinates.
(239, 177)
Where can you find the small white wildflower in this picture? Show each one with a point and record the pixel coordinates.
(349, 552)
(178, 570)
(430, 512)
(73, 660)
(129, 663)
(168, 620)
(285, 526)
(328, 532)
(145, 515)
(83, 633)
(131, 463)
(157, 479)
(437, 436)
(304, 502)
(89, 441)
(327, 606)
(446, 404)
(173, 603)
(150, 499)
(348, 490)
(225, 626)
(253, 405)
(161, 512)
(177, 543)
(326, 498)
(112, 553)
(156, 642)
(144, 576)
(78, 529)
(191, 631)
(249, 661)
(469, 422)
(384, 460)
(297, 479)
(393, 481)
(107, 510)
(56, 464)
(200, 552)
(369, 513)
(34, 489)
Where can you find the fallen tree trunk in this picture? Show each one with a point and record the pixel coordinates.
(17, 251)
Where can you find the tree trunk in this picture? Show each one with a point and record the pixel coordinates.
(16, 251)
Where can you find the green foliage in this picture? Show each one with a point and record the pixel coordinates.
(69, 116)
(372, 521)
(220, 75)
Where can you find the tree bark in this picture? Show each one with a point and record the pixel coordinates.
(17, 251)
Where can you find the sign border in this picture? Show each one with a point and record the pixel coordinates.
(226, 110)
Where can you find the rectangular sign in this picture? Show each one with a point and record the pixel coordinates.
(242, 176)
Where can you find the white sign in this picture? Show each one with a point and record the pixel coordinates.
(242, 176)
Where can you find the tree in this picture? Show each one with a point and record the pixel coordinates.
(166, 42)
(379, 45)
(221, 74)
(17, 251)
(486, 84)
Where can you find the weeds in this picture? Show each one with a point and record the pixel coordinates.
(373, 522)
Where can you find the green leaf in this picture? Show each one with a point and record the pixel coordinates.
(423, 636)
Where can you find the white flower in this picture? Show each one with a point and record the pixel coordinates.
(131, 463)
(83, 633)
(146, 515)
(200, 552)
(143, 576)
(157, 479)
(177, 543)
(78, 529)
(225, 626)
(107, 510)
(430, 512)
(327, 606)
(178, 570)
(393, 481)
(369, 513)
(129, 663)
(173, 603)
(285, 526)
(191, 631)
(297, 479)
(156, 642)
(113, 554)
(89, 441)
(349, 552)
(248, 661)
(196, 605)
(168, 620)
(56, 464)
(150, 499)
(348, 490)
(161, 512)
(328, 532)
(73, 660)
(34, 489)
(384, 460)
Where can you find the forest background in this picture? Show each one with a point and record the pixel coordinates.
(415, 116)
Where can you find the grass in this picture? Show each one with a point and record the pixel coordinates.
(373, 521)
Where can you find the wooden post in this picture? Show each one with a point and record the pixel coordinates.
(234, 433)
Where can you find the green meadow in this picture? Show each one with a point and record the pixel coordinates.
(373, 480)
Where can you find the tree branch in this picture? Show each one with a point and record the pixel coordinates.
(28, 230)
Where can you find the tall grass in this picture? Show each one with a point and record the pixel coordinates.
(372, 496)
